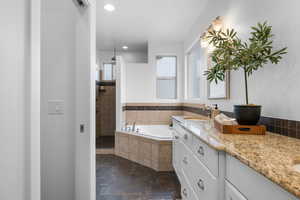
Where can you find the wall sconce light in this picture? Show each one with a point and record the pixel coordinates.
(110, 5)
(216, 25)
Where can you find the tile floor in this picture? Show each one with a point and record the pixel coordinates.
(120, 179)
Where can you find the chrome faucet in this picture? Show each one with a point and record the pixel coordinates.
(210, 110)
(129, 128)
(125, 127)
(133, 127)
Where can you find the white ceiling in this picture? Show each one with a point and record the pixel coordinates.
(134, 22)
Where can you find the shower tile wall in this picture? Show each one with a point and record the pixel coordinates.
(106, 111)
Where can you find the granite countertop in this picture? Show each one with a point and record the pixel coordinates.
(271, 155)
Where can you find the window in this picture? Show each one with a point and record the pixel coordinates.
(193, 72)
(108, 71)
(97, 75)
(166, 77)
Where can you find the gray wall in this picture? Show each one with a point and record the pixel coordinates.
(275, 87)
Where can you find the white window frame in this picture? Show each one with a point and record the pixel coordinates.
(167, 77)
(187, 73)
(112, 71)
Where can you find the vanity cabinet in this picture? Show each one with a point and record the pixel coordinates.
(197, 166)
(208, 174)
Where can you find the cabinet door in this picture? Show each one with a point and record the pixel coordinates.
(231, 193)
(177, 155)
(175, 150)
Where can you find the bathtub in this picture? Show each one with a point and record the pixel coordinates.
(151, 146)
(156, 132)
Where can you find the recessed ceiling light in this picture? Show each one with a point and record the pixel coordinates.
(125, 47)
(109, 7)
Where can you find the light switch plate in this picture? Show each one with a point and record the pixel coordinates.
(55, 107)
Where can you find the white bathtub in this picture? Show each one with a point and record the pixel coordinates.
(158, 132)
(151, 146)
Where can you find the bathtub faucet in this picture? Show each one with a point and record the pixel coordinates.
(133, 127)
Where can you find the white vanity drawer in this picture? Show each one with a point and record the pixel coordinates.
(185, 136)
(186, 161)
(187, 192)
(207, 155)
(231, 193)
(203, 182)
(176, 125)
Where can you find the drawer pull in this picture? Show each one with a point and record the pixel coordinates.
(201, 151)
(184, 192)
(185, 160)
(185, 136)
(201, 184)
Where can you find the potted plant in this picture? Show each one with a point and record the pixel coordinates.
(231, 53)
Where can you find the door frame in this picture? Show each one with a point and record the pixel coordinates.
(85, 89)
(33, 163)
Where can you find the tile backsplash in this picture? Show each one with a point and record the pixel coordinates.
(160, 113)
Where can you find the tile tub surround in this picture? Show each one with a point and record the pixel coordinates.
(150, 117)
(149, 113)
(271, 155)
(151, 153)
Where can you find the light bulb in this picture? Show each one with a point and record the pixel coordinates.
(109, 7)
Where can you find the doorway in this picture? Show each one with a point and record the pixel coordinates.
(106, 103)
(105, 115)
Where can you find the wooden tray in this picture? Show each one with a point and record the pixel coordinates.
(241, 129)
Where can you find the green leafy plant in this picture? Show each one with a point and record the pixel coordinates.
(231, 53)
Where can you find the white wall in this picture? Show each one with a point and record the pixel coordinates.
(140, 84)
(14, 61)
(141, 77)
(128, 56)
(58, 63)
(275, 87)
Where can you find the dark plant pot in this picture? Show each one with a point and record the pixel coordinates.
(247, 114)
